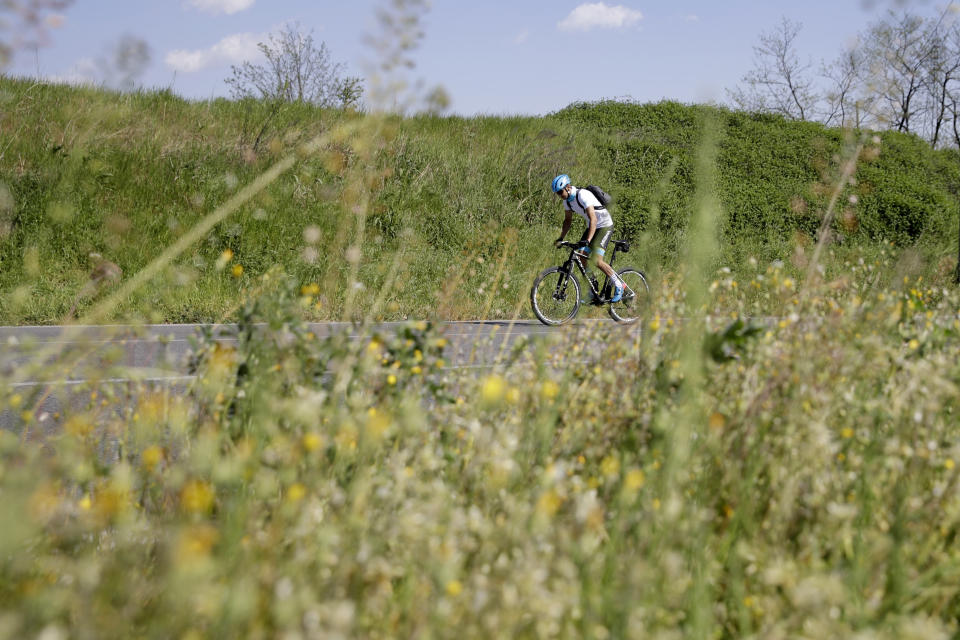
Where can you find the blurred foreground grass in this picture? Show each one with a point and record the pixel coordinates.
(327, 488)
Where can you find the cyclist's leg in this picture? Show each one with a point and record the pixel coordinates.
(590, 262)
(598, 248)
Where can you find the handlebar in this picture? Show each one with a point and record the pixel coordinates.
(622, 245)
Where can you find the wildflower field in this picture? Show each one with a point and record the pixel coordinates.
(701, 478)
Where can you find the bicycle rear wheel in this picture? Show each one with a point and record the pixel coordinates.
(555, 296)
(636, 296)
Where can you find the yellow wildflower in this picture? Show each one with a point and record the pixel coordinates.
(312, 441)
(151, 457)
(196, 497)
(610, 466)
(549, 503)
(377, 425)
(634, 480)
(78, 426)
(493, 389)
(549, 390)
(296, 492)
(224, 258)
(196, 542)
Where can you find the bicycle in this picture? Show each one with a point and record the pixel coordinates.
(554, 303)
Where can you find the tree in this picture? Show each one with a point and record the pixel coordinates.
(296, 70)
(940, 78)
(848, 102)
(903, 74)
(899, 50)
(779, 82)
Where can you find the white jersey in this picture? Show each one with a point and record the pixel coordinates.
(583, 200)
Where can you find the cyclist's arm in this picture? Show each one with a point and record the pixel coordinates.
(568, 216)
(593, 223)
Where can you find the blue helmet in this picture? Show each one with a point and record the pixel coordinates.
(560, 182)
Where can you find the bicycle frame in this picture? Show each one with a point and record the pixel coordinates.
(577, 259)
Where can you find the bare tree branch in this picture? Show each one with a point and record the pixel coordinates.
(898, 50)
(847, 101)
(941, 77)
(779, 82)
(903, 74)
(296, 70)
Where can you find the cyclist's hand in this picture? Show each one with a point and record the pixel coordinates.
(583, 247)
(558, 242)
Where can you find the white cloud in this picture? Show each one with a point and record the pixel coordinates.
(83, 72)
(599, 15)
(522, 37)
(221, 6)
(236, 48)
(692, 18)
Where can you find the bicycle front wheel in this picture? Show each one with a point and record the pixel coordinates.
(555, 296)
(636, 296)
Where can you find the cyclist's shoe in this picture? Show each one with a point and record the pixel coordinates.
(617, 293)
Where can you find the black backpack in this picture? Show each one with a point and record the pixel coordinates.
(601, 195)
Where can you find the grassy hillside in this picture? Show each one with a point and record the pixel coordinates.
(703, 478)
(454, 214)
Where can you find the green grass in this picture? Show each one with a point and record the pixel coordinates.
(452, 208)
(705, 477)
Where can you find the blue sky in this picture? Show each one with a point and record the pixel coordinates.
(492, 56)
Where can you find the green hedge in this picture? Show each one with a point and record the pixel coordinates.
(124, 175)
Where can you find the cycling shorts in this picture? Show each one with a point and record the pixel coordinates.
(598, 246)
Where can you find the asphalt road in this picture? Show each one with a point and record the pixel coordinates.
(32, 358)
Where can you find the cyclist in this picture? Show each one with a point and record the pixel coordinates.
(599, 229)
